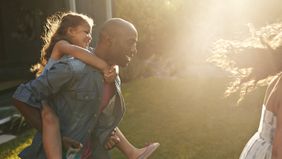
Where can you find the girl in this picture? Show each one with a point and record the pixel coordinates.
(70, 34)
(257, 61)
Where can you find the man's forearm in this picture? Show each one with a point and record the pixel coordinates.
(31, 114)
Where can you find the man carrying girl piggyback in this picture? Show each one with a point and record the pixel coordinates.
(68, 35)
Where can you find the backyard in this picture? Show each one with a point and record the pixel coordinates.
(173, 96)
(188, 116)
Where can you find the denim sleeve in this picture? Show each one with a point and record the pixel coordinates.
(102, 134)
(47, 84)
(106, 123)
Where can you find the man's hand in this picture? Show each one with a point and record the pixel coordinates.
(70, 143)
(112, 141)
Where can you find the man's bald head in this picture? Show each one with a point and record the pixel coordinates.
(116, 27)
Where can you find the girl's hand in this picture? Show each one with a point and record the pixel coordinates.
(110, 75)
(112, 141)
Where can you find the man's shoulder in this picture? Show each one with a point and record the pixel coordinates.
(77, 65)
(74, 64)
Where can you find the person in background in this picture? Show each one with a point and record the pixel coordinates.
(257, 61)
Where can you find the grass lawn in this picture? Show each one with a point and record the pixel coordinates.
(189, 117)
(11, 149)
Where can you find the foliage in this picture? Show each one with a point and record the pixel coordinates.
(153, 66)
(183, 30)
(158, 25)
(154, 20)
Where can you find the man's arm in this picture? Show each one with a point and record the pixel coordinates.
(27, 98)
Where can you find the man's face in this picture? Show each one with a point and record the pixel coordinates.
(124, 48)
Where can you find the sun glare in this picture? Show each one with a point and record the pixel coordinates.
(168, 3)
(218, 19)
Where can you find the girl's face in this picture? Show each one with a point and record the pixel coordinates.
(81, 35)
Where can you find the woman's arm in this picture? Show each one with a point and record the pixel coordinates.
(63, 47)
(277, 140)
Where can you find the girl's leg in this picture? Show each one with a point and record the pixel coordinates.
(130, 151)
(51, 133)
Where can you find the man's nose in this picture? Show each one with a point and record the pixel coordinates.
(89, 37)
(133, 51)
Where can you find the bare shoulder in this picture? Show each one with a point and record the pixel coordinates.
(277, 92)
(272, 92)
(61, 43)
(278, 108)
(276, 81)
(58, 50)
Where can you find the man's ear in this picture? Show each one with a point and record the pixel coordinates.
(109, 40)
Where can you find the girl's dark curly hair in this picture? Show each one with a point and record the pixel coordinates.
(252, 62)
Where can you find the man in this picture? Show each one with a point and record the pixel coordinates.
(75, 91)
